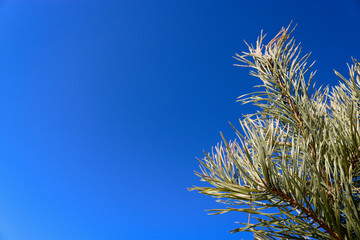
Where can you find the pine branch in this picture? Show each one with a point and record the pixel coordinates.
(296, 162)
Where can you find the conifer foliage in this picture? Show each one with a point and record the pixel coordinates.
(295, 166)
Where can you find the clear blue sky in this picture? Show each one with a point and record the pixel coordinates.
(104, 106)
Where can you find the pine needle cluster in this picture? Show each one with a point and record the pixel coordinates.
(295, 166)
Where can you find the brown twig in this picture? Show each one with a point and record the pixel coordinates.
(307, 211)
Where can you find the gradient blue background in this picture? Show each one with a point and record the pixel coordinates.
(104, 106)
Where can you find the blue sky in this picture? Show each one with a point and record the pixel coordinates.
(104, 106)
